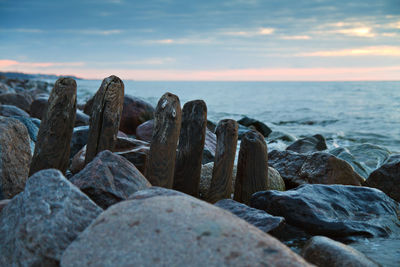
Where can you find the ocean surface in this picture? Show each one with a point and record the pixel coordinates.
(345, 113)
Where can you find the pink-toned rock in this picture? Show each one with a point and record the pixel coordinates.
(134, 113)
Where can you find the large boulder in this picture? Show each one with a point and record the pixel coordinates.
(256, 217)
(33, 129)
(337, 211)
(255, 125)
(109, 178)
(308, 144)
(134, 113)
(15, 157)
(39, 223)
(21, 101)
(317, 168)
(323, 251)
(174, 230)
(344, 154)
(10, 110)
(387, 178)
(145, 131)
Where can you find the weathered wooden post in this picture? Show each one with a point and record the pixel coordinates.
(167, 124)
(55, 131)
(190, 147)
(106, 115)
(221, 182)
(252, 169)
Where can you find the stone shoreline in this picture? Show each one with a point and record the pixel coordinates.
(118, 182)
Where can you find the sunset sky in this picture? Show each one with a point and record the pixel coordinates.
(251, 40)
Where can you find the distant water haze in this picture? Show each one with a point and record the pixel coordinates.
(345, 113)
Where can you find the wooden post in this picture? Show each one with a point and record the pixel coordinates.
(252, 169)
(167, 124)
(190, 148)
(55, 131)
(221, 182)
(106, 115)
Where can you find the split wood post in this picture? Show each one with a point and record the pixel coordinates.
(106, 116)
(252, 169)
(221, 182)
(167, 124)
(53, 141)
(190, 147)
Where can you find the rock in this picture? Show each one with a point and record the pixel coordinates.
(257, 125)
(10, 110)
(276, 136)
(336, 211)
(370, 156)
(323, 251)
(79, 139)
(316, 168)
(308, 144)
(344, 154)
(109, 178)
(274, 181)
(105, 117)
(155, 191)
(387, 178)
(174, 230)
(210, 145)
(242, 130)
(87, 109)
(19, 100)
(134, 113)
(145, 131)
(53, 142)
(81, 119)
(39, 223)
(3, 204)
(211, 126)
(15, 157)
(256, 217)
(39, 106)
(4, 88)
(32, 128)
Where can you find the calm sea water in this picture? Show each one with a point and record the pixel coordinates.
(346, 113)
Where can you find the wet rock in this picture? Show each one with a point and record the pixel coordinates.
(39, 106)
(316, 168)
(155, 191)
(344, 154)
(370, 156)
(308, 144)
(275, 181)
(211, 126)
(109, 178)
(15, 157)
(242, 130)
(4, 88)
(174, 231)
(145, 131)
(336, 211)
(3, 204)
(276, 136)
(21, 101)
(256, 125)
(78, 139)
(323, 251)
(134, 113)
(81, 118)
(10, 110)
(256, 217)
(87, 109)
(210, 145)
(387, 178)
(32, 128)
(39, 223)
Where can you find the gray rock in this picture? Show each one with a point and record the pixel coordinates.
(338, 211)
(39, 223)
(323, 251)
(4, 203)
(256, 217)
(308, 144)
(78, 140)
(210, 145)
(174, 231)
(15, 157)
(344, 154)
(256, 125)
(10, 110)
(21, 101)
(155, 191)
(81, 118)
(109, 178)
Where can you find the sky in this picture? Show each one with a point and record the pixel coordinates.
(214, 40)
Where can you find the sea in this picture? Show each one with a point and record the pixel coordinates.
(345, 113)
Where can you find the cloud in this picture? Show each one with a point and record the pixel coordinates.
(295, 37)
(259, 31)
(98, 32)
(23, 30)
(358, 29)
(7, 63)
(361, 32)
(181, 41)
(363, 51)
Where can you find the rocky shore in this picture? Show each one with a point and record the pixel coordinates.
(118, 182)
